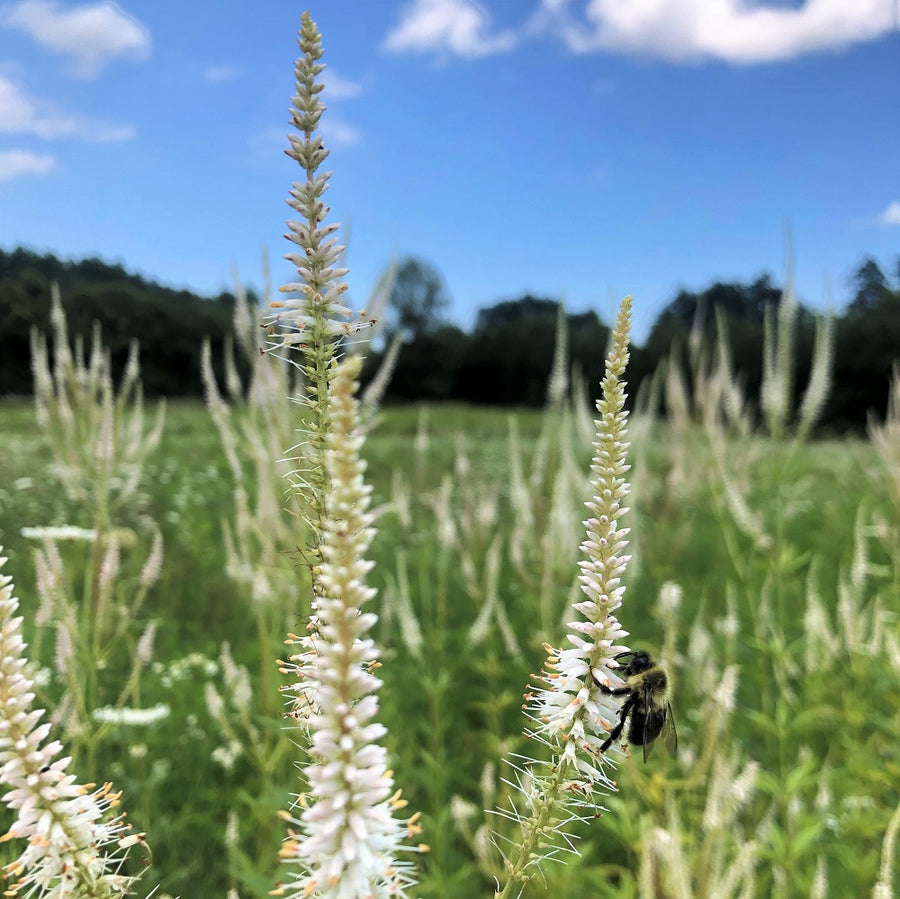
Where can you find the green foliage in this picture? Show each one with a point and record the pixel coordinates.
(511, 351)
(816, 691)
(417, 299)
(169, 324)
(503, 361)
(867, 344)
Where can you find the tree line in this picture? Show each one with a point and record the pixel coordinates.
(504, 360)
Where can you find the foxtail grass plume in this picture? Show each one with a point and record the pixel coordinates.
(569, 712)
(344, 837)
(74, 845)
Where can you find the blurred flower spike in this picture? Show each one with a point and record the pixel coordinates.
(74, 847)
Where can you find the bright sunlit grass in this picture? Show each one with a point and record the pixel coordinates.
(816, 713)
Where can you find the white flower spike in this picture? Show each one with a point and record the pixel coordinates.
(344, 837)
(74, 847)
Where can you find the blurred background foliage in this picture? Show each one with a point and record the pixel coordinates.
(502, 361)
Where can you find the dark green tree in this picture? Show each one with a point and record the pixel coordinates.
(427, 366)
(869, 285)
(169, 325)
(417, 299)
(867, 347)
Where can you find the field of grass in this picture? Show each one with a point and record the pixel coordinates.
(163, 559)
(765, 575)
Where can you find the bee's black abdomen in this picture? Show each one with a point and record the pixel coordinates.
(636, 728)
(644, 728)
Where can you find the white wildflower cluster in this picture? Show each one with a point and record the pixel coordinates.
(74, 846)
(344, 837)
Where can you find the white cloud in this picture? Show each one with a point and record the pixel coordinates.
(734, 30)
(891, 215)
(218, 74)
(457, 27)
(19, 114)
(14, 163)
(91, 34)
(339, 88)
(338, 133)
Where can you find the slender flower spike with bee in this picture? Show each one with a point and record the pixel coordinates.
(573, 708)
(574, 703)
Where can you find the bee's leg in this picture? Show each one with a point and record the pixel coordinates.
(609, 691)
(617, 730)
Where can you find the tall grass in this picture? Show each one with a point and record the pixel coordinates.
(765, 576)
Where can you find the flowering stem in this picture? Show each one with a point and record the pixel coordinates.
(311, 322)
(570, 712)
(536, 829)
(345, 838)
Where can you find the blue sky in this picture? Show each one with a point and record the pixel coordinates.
(575, 148)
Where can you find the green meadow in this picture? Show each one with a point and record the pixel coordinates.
(765, 576)
(193, 580)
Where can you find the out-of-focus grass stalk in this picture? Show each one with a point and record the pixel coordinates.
(99, 445)
(885, 437)
(74, 845)
(884, 889)
(97, 435)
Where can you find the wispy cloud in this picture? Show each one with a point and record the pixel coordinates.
(19, 114)
(891, 214)
(219, 74)
(338, 133)
(15, 163)
(454, 27)
(731, 30)
(338, 87)
(91, 34)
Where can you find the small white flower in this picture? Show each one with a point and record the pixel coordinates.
(131, 717)
(65, 532)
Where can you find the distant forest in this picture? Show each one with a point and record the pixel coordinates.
(504, 360)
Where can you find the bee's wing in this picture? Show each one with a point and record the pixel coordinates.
(650, 734)
(669, 734)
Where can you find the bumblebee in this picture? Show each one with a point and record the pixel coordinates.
(647, 705)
